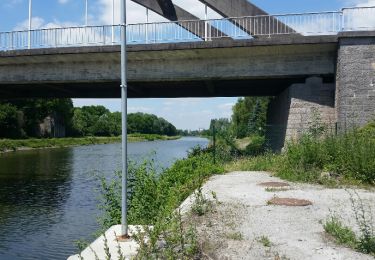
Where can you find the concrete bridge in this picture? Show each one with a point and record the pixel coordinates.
(310, 68)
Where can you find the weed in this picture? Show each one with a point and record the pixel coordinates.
(365, 241)
(235, 236)
(201, 204)
(119, 250)
(265, 241)
(170, 238)
(106, 248)
(343, 235)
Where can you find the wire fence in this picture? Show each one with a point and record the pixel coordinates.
(306, 24)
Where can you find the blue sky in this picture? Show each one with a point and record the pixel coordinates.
(184, 113)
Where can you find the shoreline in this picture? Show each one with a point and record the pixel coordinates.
(17, 145)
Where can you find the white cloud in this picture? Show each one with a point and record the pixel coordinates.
(135, 13)
(359, 3)
(12, 3)
(135, 109)
(39, 23)
(63, 1)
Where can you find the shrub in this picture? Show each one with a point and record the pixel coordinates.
(347, 156)
(256, 146)
(152, 195)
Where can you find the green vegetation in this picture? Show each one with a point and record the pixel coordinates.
(265, 241)
(317, 156)
(201, 204)
(153, 199)
(155, 194)
(150, 124)
(343, 235)
(347, 158)
(40, 123)
(235, 236)
(99, 121)
(21, 119)
(33, 143)
(244, 134)
(249, 116)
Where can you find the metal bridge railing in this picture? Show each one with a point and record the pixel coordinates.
(324, 23)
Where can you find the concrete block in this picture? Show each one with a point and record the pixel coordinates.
(128, 248)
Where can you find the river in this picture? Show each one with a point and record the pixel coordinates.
(48, 197)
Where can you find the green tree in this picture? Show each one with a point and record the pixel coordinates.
(31, 112)
(9, 121)
(249, 115)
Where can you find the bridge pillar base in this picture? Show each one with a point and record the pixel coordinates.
(355, 81)
(299, 109)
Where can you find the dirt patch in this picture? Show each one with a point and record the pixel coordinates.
(274, 184)
(291, 202)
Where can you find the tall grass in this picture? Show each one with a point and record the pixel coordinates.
(153, 195)
(349, 156)
(345, 158)
(153, 199)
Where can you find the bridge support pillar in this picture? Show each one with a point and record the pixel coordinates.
(298, 109)
(355, 80)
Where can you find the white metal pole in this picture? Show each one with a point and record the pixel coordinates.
(30, 23)
(205, 23)
(147, 20)
(113, 21)
(124, 105)
(86, 13)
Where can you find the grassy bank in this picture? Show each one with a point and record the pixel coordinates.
(153, 194)
(346, 158)
(14, 145)
(153, 200)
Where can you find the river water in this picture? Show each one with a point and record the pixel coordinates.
(48, 198)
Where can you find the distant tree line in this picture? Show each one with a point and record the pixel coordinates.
(25, 118)
(22, 118)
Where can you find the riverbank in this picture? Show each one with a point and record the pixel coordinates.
(9, 145)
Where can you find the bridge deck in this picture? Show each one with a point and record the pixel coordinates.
(264, 66)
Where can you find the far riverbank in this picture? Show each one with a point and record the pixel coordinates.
(10, 145)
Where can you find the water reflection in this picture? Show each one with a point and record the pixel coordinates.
(47, 197)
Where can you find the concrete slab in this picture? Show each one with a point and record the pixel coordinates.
(96, 249)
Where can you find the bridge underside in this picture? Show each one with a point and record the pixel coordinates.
(171, 89)
(261, 67)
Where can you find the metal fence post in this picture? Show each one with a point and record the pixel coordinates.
(30, 24)
(342, 28)
(147, 20)
(269, 26)
(205, 23)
